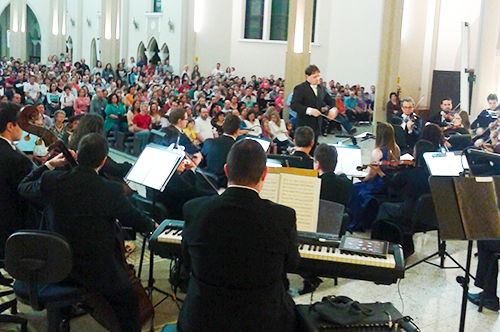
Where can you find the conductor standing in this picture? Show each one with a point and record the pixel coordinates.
(308, 98)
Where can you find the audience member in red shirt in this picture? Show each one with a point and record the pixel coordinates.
(142, 126)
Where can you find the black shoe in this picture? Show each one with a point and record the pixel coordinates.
(489, 303)
(310, 285)
(352, 131)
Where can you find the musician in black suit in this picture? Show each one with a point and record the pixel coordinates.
(487, 269)
(334, 188)
(84, 207)
(239, 248)
(14, 166)
(411, 124)
(178, 119)
(215, 150)
(444, 117)
(308, 98)
(304, 141)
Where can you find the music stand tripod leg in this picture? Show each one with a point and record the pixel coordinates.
(465, 285)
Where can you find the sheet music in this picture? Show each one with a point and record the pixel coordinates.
(347, 161)
(270, 187)
(301, 193)
(154, 167)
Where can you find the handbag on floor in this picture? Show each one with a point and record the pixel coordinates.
(339, 314)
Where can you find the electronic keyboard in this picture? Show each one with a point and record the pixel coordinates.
(319, 253)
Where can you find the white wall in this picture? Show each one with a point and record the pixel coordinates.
(453, 12)
(213, 40)
(354, 41)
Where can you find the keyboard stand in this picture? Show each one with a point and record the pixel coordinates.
(152, 288)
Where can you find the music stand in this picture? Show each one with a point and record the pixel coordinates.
(153, 169)
(466, 217)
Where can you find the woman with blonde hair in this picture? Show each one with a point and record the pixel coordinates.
(363, 205)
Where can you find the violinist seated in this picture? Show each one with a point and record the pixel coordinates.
(363, 203)
(304, 141)
(460, 124)
(216, 150)
(487, 116)
(183, 186)
(409, 185)
(411, 125)
(444, 117)
(86, 216)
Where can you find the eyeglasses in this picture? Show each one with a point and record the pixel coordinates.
(407, 107)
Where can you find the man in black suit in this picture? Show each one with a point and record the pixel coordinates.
(178, 119)
(215, 150)
(444, 117)
(411, 124)
(304, 141)
(239, 248)
(85, 213)
(14, 166)
(334, 188)
(308, 98)
(487, 269)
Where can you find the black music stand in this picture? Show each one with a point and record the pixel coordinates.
(466, 217)
(153, 169)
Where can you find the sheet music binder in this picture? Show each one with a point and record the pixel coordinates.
(467, 207)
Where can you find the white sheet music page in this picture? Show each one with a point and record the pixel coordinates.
(270, 187)
(301, 193)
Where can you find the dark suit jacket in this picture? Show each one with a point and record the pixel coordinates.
(183, 139)
(335, 188)
(215, 153)
(436, 119)
(84, 207)
(304, 97)
(14, 166)
(239, 247)
(483, 120)
(306, 162)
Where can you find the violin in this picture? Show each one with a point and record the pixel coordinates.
(389, 164)
(49, 138)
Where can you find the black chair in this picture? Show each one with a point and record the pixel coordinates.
(158, 212)
(40, 261)
(399, 136)
(10, 304)
(424, 220)
(459, 142)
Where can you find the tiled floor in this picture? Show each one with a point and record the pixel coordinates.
(430, 295)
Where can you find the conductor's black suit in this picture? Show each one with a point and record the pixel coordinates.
(304, 97)
(239, 247)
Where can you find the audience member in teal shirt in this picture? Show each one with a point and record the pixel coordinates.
(350, 105)
(113, 111)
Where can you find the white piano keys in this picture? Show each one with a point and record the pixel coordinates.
(326, 253)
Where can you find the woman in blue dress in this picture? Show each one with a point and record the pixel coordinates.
(363, 205)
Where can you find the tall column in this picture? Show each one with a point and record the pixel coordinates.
(298, 54)
(390, 45)
(78, 41)
(124, 33)
(57, 40)
(430, 51)
(18, 13)
(110, 32)
(487, 60)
